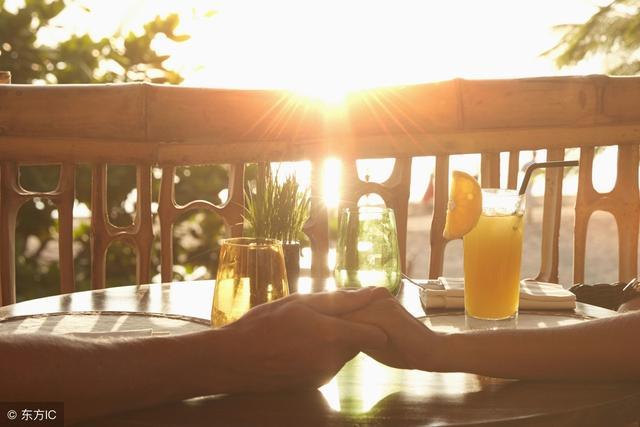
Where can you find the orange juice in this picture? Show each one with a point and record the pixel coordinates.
(492, 255)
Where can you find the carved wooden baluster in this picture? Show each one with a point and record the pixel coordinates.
(64, 201)
(10, 202)
(317, 226)
(232, 210)
(168, 211)
(100, 239)
(584, 200)
(350, 193)
(623, 202)
(514, 168)
(351, 189)
(551, 218)
(394, 191)
(440, 200)
(7, 243)
(103, 233)
(626, 211)
(396, 196)
(12, 197)
(490, 170)
(143, 224)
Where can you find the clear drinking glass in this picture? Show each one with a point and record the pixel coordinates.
(492, 256)
(251, 271)
(367, 251)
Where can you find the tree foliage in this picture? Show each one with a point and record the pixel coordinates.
(614, 31)
(80, 59)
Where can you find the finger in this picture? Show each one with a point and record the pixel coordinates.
(387, 314)
(282, 301)
(355, 335)
(371, 318)
(341, 301)
(381, 293)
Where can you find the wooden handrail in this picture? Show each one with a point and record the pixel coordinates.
(432, 116)
(151, 125)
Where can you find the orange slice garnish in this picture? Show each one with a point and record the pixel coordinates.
(465, 205)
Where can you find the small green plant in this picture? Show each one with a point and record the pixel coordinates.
(276, 210)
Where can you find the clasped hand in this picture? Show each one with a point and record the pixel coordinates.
(302, 341)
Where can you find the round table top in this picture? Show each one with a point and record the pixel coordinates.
(364, 392)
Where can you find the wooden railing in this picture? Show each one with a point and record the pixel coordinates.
(162, 126)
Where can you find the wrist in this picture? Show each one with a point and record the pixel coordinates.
(440, 355)
(216, 364)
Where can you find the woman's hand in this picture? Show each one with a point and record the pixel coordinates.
(410, 345)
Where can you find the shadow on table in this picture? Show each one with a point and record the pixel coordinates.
(526, 403)
(522, 403)
(301, 408)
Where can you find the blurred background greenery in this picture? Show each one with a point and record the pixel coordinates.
(118, 58)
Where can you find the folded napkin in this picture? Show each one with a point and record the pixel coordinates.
(118, 334)
(447, 292)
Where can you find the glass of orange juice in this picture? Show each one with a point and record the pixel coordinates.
(492, 255)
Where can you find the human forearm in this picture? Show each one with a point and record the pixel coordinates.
(594, 350)
(295, 342)
(93, 378)
(599, 349)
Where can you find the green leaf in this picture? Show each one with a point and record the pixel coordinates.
(276, 210)
(614, 31)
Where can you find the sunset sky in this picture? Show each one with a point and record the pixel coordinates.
(338, 45)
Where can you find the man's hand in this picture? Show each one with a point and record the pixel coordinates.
(300, 341)
(411, 345)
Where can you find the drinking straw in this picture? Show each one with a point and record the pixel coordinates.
(534, 166)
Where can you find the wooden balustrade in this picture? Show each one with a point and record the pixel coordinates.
(148, 125)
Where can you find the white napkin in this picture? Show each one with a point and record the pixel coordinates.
(448, 292)
(118, 334)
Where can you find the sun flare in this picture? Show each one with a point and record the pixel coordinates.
(330, 94)
(323, 51)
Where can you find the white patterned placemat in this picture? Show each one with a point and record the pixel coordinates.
(455, 322)
(101, 323)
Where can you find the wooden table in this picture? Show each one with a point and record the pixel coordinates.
(364, 392)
